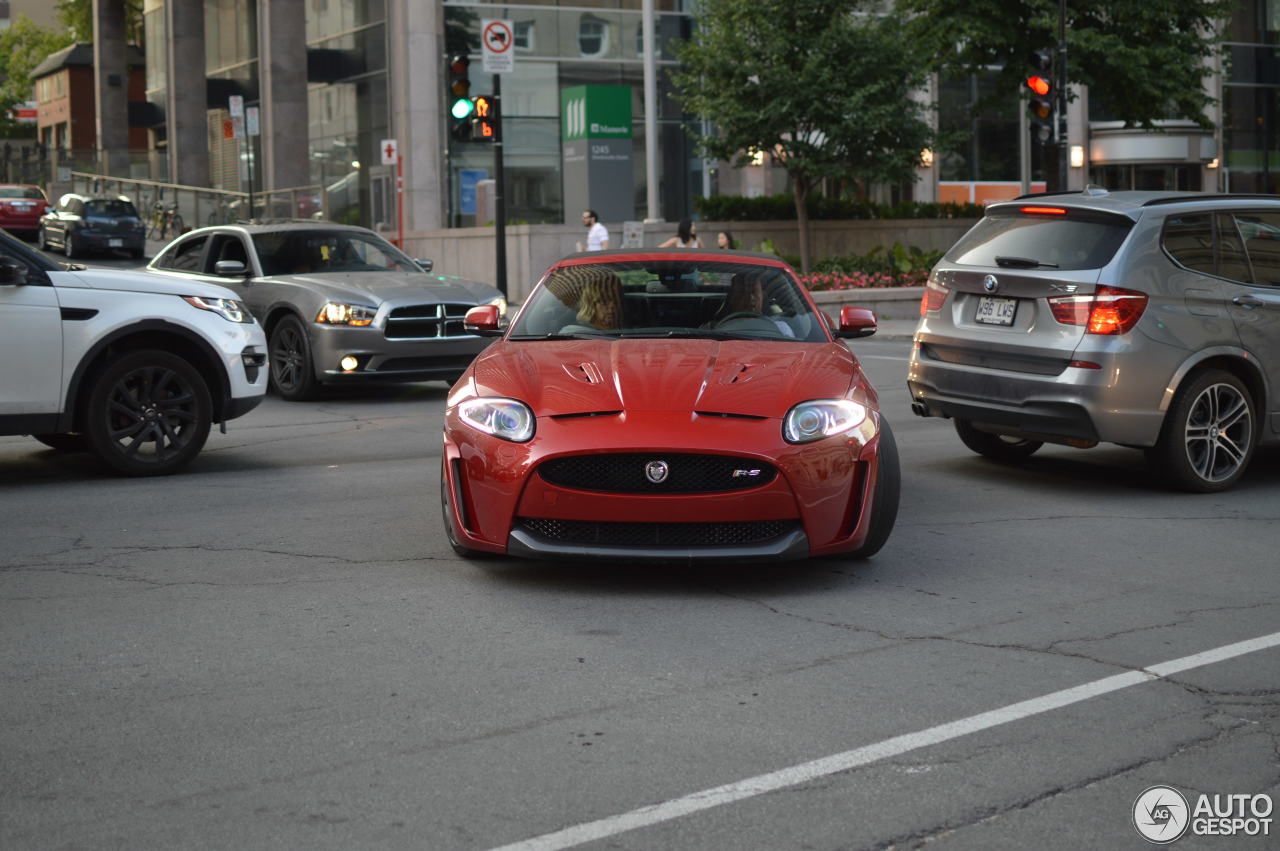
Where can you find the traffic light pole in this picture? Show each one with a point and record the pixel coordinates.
(1064, 149)
(499, 196)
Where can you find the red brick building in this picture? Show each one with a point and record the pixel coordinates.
(65, 110)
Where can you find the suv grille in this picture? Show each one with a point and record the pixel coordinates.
(427, 321)
(657, 534)
(686, 473)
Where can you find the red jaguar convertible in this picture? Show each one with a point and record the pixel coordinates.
(671, 405)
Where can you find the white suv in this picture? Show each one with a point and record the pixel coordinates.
(133, 366)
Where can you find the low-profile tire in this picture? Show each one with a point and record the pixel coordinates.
(64, 442)
(1208, 435)
(292, 374)
(998, 447)
(42, 240)
(884, 498)
(69, 246)
(148, 414)
(458, 549)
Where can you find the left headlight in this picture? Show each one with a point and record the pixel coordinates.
(508, 419)
(228, 308)
(338, 313)
(501, 302)
(814, 420)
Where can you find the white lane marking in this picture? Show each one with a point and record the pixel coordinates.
(826, 766)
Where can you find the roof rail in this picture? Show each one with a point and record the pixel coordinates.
(1209, 196)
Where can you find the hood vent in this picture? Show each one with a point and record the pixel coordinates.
(586, 372)
(738, 373)
(729, 416)
(585, 414)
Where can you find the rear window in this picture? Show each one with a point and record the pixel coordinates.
(21, 192)
(1062, 242)
(109, 208)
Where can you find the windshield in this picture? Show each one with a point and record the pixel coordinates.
(112, 209)
(670, 298)
(1030, 241)
(21, 192)
(320, 252)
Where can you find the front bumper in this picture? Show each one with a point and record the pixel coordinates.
(819, 501)
(390, 360)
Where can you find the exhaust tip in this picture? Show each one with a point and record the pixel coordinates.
(920, 409)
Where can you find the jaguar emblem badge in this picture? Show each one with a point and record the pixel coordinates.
(656, 471)
(990, 283)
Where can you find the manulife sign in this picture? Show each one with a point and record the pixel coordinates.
(595, 112)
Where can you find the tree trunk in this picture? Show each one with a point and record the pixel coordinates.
(800, 186)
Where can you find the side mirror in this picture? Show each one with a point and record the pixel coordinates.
(856, 322)
(12, 272)
(230, 269)
(424, 263)
(482, 320)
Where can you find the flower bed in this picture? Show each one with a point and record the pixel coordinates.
(821, 281)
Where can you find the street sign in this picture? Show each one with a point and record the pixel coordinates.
(235, 103)
(251, 121)
(633, 234)
(389, 151)
(497, 42)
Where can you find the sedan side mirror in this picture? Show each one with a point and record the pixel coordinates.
(12, 271)
(230, 269)
(856, 322)
(426, 264)
(482, 321)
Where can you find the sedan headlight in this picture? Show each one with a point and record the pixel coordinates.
(501, 302)
(504, 418)
(338, 313)
(228, 308)
(814, 420)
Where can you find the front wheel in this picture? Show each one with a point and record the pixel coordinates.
(885, 495)
(1207, 439)
(69, 246)
(42, 240)
(998, 447)
(292, 373)
(149, 414)
(458, 549)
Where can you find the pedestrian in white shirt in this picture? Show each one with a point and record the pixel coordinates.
(597, 234)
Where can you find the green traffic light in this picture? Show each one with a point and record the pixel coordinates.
(461, 108)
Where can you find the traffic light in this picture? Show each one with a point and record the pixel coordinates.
(459, 98)
(1040, 104)
(484, 118)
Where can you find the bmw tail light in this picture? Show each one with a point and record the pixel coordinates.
(1110, 310)
(934, 295)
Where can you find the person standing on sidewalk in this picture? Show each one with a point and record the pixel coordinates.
(597, 234)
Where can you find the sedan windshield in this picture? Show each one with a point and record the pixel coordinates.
(721, 300)
(320, 251)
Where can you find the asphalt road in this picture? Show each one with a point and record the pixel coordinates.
(277, 649)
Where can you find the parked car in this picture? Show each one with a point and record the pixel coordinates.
(21, 208)
(669, 405)
(132, 366)
(1147, 319)
(81, 224)
(339, 303)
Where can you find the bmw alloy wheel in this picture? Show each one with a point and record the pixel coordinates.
(1218, 433)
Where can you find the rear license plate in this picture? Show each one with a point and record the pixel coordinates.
(996, 311)
(116, 243)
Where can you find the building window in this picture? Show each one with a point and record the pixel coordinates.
(593, 36)
(523, 35)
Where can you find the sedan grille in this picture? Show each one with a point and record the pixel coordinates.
(427, 321)
(643, 535)
(630, 473)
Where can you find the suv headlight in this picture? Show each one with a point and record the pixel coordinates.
(338, 313)
(504, 418)
(228, 308)
(814, 420)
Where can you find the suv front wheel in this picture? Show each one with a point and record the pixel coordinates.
(998, 447)
(149, 414)
(1208, 434)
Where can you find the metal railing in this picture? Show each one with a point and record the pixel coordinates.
(170, 209)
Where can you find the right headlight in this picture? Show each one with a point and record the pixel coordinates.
(819, 418)
(338, 313)
(508, 419)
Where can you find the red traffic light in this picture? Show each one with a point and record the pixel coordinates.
(459, 64)
(1038, 84)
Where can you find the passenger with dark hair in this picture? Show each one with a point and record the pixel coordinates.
(686, 236)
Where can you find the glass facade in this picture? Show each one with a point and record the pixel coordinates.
(560, 45)
(979, 145)
(1249, 96)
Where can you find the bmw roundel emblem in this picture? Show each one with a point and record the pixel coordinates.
(656, 471)
(990, 283)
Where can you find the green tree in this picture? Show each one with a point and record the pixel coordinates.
(1143, 59)
(819, 87)
(23, 46)
(77, 16)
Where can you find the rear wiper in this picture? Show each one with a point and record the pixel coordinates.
(1022, 263)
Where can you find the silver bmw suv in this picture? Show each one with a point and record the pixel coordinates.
(1147, 319)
